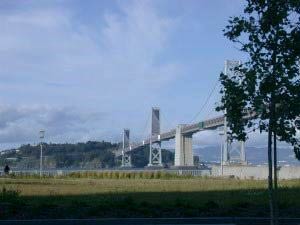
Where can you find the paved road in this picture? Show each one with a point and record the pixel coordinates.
(147, 221)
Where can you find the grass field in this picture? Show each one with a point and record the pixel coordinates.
(96, 198)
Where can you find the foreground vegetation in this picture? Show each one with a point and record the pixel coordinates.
(123, 197)
(109, 174)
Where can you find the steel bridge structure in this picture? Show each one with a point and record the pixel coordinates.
(183, 134)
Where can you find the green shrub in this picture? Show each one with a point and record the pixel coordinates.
(108, 175)
(211, 205)
(127, 175)
(9, 195)
(139, 175)
(157, 175)
(115, 175)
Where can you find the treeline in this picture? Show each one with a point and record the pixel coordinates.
(89, 155)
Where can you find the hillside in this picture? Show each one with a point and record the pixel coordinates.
(89, 155)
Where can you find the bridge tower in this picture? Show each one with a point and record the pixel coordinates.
(155, 158)
(126, 157)
(228, 148)
(183, 148)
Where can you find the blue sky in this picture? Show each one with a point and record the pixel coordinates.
(84, 70)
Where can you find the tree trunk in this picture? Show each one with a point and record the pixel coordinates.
(275, 162)
(274, 128)
(275, 178)
(270, 178)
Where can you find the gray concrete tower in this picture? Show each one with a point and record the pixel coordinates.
(155, 158)
(126, 157)
(227, 147)
(183, 148)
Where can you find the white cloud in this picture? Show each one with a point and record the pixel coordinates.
(132, 45)
(83, 73)
(22, 124)
(49, 57)
(51, 46)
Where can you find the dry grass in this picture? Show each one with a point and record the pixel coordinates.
(85, 198)
(32, 187)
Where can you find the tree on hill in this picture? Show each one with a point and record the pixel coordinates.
(89, 155)
(269, 82)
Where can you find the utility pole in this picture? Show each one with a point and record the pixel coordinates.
(42, 135)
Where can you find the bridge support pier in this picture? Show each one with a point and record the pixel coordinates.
(243, 153)
(183, 148)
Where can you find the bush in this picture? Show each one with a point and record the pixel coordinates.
(211, 205)
(139, 175)
(157, 175)
(115, 175)
(107, 175)
(9, 195)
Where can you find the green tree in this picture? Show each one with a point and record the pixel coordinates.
(269, 82)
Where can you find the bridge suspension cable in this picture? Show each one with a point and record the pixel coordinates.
(144, 130)
(166, 120)
(206, 101)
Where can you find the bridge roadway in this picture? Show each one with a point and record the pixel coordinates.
(187, 129)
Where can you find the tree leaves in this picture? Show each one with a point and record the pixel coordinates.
(269, 32)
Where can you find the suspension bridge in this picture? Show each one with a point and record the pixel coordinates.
(183, 135)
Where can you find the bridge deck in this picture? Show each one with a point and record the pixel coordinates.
(187, 129)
